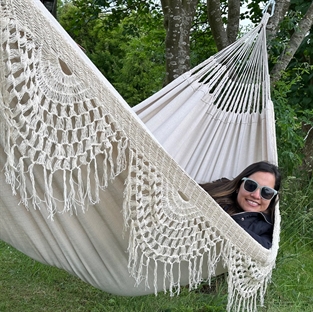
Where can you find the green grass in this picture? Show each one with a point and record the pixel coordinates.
(29, 286)
(292, 283)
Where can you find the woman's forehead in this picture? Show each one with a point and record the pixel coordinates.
(264, 178)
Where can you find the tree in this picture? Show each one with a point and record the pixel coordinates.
(178, 20)
(223, 17)
(51, 5)
(224, 36)
(125, 40)
(297, 37)
(128, 50)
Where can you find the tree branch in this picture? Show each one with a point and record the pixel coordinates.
(281, 9)
(304, 27)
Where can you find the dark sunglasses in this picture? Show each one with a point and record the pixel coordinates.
(251, 186)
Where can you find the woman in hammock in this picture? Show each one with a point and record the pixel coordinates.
(250, 199)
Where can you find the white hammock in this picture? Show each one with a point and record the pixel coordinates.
(218, 118)
(95, 194)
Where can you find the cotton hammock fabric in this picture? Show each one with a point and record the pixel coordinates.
(218, 118)
(87, 188)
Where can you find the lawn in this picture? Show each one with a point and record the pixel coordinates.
(29, 286)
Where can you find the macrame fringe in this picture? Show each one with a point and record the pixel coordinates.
(247, 283)
(81, 184)
(157, 237)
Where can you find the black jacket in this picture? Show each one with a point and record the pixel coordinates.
(258, 225)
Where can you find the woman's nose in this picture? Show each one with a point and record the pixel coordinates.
(256, 193)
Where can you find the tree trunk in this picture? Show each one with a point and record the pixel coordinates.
(281, 9)
(223, 37)
(51, 5)
(178, 19)
(233, 20)
(216, 23)
(303, 28)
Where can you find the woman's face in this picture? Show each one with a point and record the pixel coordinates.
(253, 202)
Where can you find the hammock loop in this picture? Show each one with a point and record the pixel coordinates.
(270, 3)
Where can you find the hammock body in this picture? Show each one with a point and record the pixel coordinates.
(218, 118)
(87, 188)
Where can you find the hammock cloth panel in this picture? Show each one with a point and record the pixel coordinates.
(87, 188)
(220, 108)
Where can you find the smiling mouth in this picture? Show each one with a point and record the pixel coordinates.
(252, 203)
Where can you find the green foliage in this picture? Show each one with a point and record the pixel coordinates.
(300, 5)
(299, 73)
(140, 64)
(302, 65)
(289, 123)
(297, 211)
(134, 57)
(293, 94)
(121, 9)
(129, 52)
(79, 23)
(255, 10)
(202, 44)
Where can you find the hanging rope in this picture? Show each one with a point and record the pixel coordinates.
(271, 3)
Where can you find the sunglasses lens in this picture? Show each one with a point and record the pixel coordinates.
(267, 193)
(250, 186)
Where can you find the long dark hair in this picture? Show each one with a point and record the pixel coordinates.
(224, 191)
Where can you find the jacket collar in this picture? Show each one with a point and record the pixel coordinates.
(267, 218)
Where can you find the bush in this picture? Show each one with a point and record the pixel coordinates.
(290, 122)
